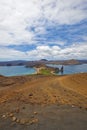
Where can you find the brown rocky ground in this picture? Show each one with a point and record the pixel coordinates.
(40, 102)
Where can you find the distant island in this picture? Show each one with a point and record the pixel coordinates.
(42, 62)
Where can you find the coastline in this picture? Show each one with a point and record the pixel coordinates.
(40, 69)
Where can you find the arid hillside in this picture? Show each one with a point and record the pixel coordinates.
(41, 102)
(39, 89)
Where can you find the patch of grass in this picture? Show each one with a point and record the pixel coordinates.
(45, 72)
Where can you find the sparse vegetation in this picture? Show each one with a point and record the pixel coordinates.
(28, 101)
(45, 71)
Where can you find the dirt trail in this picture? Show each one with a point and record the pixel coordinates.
(49, 90)
(40, 102)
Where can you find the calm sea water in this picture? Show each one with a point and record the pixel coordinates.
(71, 69)
(22, 70)
(15, 70)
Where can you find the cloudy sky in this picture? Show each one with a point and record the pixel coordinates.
(36, 29)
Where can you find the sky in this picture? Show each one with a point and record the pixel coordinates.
(43, 29)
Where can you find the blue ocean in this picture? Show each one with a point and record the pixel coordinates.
(22, 70)
(71, 69)
(16, 70)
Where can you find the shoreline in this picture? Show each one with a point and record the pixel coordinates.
(37, 70)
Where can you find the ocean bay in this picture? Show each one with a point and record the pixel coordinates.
(70, 69)
(16, 70)
(22, 70)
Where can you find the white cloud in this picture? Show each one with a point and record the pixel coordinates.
(75, 51)
(55, 52)
(48, 52)
(11, 54)
(65, 12)
(17, 15)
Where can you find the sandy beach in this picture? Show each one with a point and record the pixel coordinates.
(39, 102)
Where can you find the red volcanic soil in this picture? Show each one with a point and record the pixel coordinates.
(40, 102)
